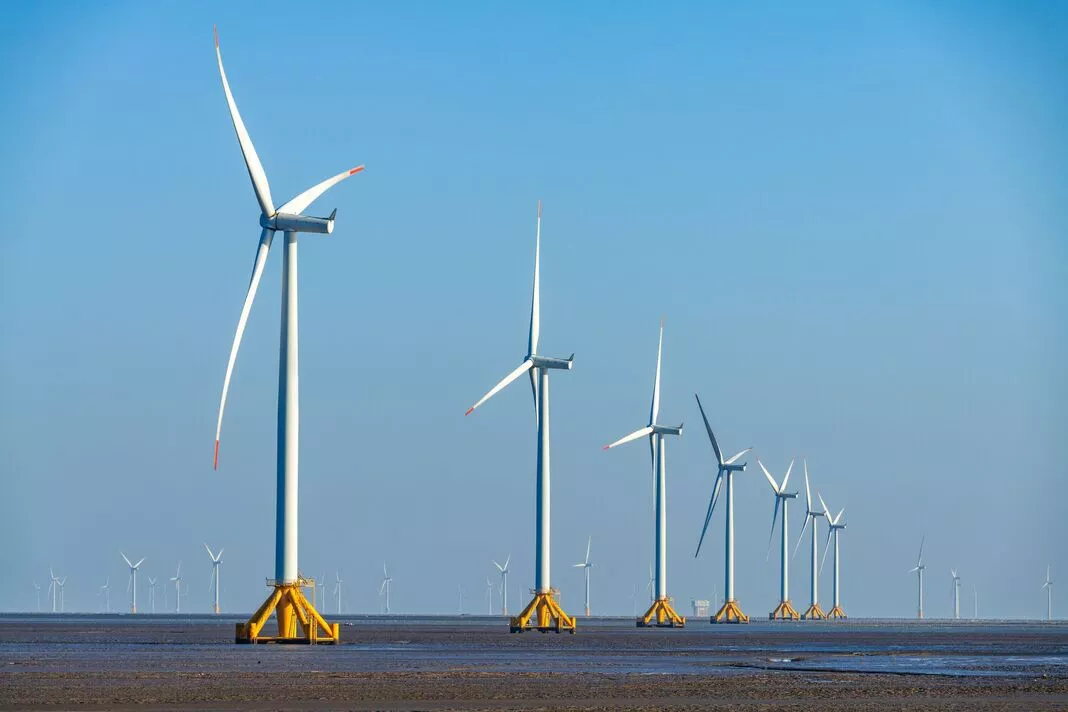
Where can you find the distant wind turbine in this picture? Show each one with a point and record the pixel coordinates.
(387, 583)
(152, 594)
(337, 589)
(177, 579)
(320, 584)
(956, 593)
(105, 591)
(785, 610)
(919, 568)
(53, 588)
(131, 585)
(814, 611)
(730, 612)
(585, 566)
(37, 590)
(833, 528)
(213, 582)
(1048, 585)
(489, 595)
(504, 584)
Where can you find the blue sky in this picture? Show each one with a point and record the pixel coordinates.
(852, 217)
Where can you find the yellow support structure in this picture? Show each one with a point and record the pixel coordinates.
(814, 613)
(544, 614)
(785, 611)
(661, 615)
(837, 613)
(730, 613)
(290, 607)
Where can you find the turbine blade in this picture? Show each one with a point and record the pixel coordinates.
(802, 535)
(708, 515)
(209, 551)
(771, 535)
(771, 480)
(252, 160)
(533, 373)
(839, 515)
(823, 504)
(654, 409)
(734, 459)
(129, 582)
(535, 299)
(125, 559)
(715, 445)
(919, 559)
(499, 567)
(647, 430)
(826, 548)
(808, 492)
(507, 560)
(588, 543)
(525, 366)
(297, 205)
(254, 282)
(787, 478)
(140, 562)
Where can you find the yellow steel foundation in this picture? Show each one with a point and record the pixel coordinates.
(661, 615)
(290, 607)
(785, 611)
(814, 613)
(837, 613)
(543, 613)
(730, 613)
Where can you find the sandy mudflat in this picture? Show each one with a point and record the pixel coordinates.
(192, 664)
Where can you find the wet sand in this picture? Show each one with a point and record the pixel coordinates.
(192, 664)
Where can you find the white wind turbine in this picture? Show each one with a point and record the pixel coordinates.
(785, 610)
(814, 611)
(337, 589)
(177, 579)
(730, 612)
(585, 566)
(650, 586)
(956, 593)
(152, 594)
(105, 591)
(543, 607)
(131, 585)
(387, 583)
(287, 595)
(37, 590)
(489, 595)
(213, 582)
(54, 586)
(833, 528)
(504, 584)
(661, 613)
(321, 587)
(1048, 585)
(919, 568)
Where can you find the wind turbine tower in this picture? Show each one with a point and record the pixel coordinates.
(661, 613)
(105, 591)
(213, 582)
(504, 585)
(177, 579)
(956, 594)
(730, 612)
(387, 583)
(814, 611)
(585, 566)
(152, 594)
(1048, 585)
(785, 610)
(919, 568)
(833, 528)
(37, 590)
(54, 585)
(287, 600)
(543, 612)
(489, 595)
(337, 589)
(131, 585)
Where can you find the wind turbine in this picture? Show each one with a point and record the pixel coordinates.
(956, 593)
(337, 589)
(213, 582)
(585, 566)
(919, 569)
(321, 587)
(105, 591)
(730, 612)
(814, 611)
(387, 582)
(650, 587)
(785, 610)
(489, 595)
(131, 585)
(504, 584)
(833, 528)
(287, 600)
(661, 613)
(544, 609)
(1048, 585)
(53, 587)
(37, 590)
(177, 579)
(152, 594)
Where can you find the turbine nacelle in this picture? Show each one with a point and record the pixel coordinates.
(667, 429)
(287, 222)
(548, 362)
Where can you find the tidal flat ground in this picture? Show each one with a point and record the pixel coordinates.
(96, 662)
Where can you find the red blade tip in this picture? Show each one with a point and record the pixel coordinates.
(216, 454)
(215, 29)
(469, 410)
(606, 447)
(357, 169)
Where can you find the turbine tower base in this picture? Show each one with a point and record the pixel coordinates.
(661, 615)
(730, 613)
(290, 606)
(543, 614)
(837, 614)
(785, 611)
(814, 613)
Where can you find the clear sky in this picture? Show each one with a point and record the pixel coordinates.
(853, 217)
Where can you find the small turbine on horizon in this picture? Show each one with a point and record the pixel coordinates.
(585, 566)
(814, 611)
(919, 568)
(152, 594)
(105, 591)
(730, 612)
(177, 579)
(833, 529)
(337, 589)
(504, 584)
(956, 594)
(1048, 585)
(213, 582)
(131, 585)
(54, 588)
(785, 610)
(387, 583)
(37, 590)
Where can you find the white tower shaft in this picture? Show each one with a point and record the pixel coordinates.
(661, 518)
(836, 600)
(815, 593)
(285, 567)
(784, 561)
(133, 591)
(541, 553)
(728, 557)
(919, 581)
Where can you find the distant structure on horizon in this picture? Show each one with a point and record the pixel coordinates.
(700, 607)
